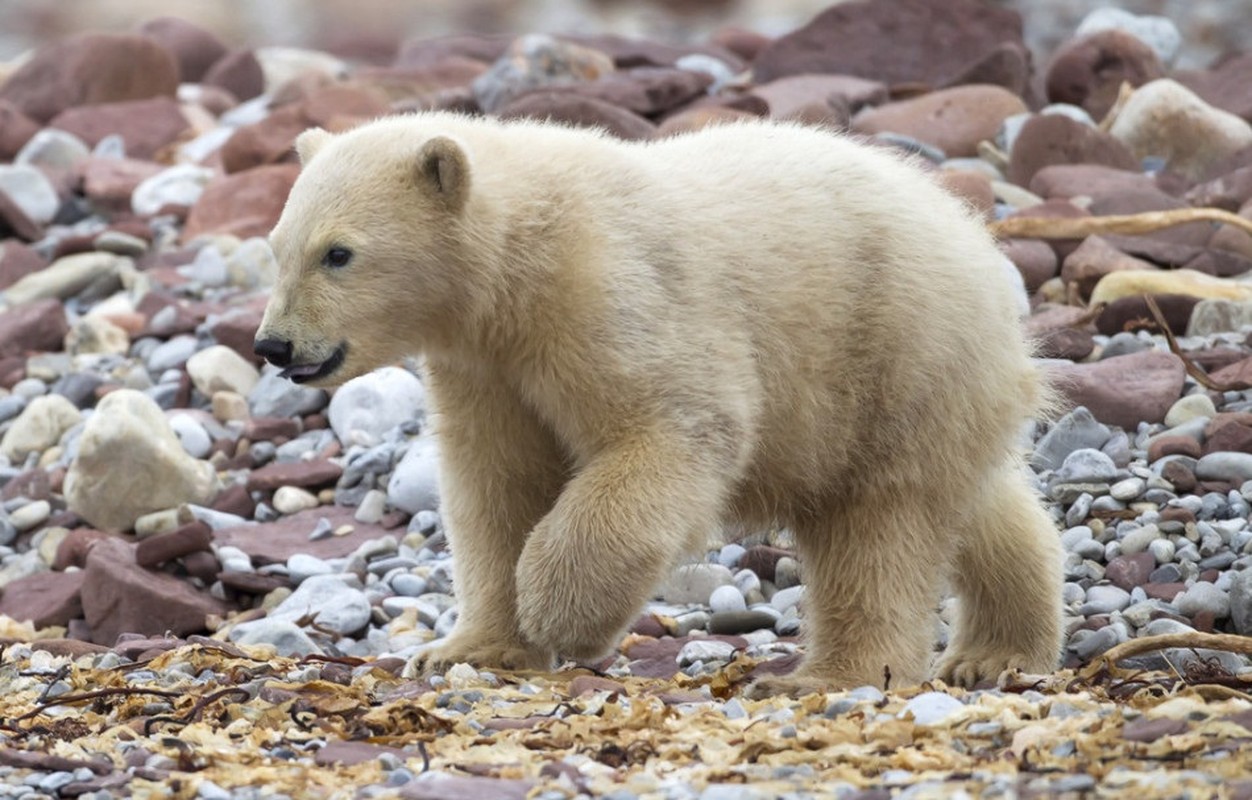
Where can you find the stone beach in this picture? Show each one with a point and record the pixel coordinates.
(192, 546)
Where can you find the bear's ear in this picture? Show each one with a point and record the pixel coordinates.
(443, 168)
(309, 142)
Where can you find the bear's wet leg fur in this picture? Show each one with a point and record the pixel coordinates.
(500, 472)
(1007, 570)
(615, 532)
(870, 594)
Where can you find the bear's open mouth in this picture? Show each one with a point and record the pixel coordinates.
(303, 373)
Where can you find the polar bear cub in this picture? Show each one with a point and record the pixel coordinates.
(628, 346)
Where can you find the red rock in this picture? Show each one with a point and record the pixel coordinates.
(1164, 591)
(954, 120)
(44, 599)
(786, 96)
(33, 484)
(1090, 70)
(1180, 475)
(1094, 259)
(246, 204)
(930, 43)
(239, 73)
(194, 48)
(1211, 359)
(266, 142)
(1066, 343)
(698, 118)
(67, 647)
(275, 542)
(1034, 259)
(309, 474)
(339, 106)
(572, 109)
(254, 583)
(119, 596)
(17, 260)
(1048, 139)
(1177, 514)
(38, 326)
(353, 753)
(146, 126)
(1006, 65)
(746, 44)
(202, 564)
(1162, 446)
(1238, 374)
(237, 329)
(1229, 191)
(972, 187)
(1226, 85)
(1048, 317)
(762, 559)
(1227, 435)
(648, 625)
(1088, 180)
(109, 182)
(235, 499)
(16, 129)
(267, 429)
(73, 549)
(1129, 571)
(13, 220)
(647, 91)
(157, 550)
(89, 69)
(1132, 314)
(1124, 390)
(589, 684)
(447, 786)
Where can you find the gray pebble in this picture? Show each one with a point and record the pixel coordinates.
(727, 599)
(1203, 596)
(1105, 600)
(1075, 431)
(1224, 466)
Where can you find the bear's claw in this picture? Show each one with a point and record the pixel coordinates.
(437, 658)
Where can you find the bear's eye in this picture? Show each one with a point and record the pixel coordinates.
(337, 257)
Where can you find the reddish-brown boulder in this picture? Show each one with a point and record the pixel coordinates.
(244, 204)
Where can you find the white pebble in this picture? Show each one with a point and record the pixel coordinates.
(727, 598)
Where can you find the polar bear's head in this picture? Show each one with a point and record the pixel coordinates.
(368, 250)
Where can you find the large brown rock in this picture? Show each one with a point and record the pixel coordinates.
(238, 72)
(44, 599)
(194, 48)
(1088, 180)
(1090, 70)
(89, 69)
(1048, 139)
(38, 326)
(794, 93)
(244, 204)
(954, 120)
(573, 109)
(119, 596)
(146, 126)
(15, 130)
(309, 474)
(1124, 390)
(894, 41)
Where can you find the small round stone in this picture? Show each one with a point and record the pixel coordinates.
(727, 598)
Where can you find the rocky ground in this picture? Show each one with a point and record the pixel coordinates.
(212, 578)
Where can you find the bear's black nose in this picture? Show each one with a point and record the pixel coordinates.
(275, 351)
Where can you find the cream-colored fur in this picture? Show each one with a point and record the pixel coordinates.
(631, 345)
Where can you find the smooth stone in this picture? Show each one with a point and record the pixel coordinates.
(1128, 489)
(737, 622)
(179, 185)
(727, 599)
(414, 484)
(787, 598)
(30, 190)
(367, 407)
(273, 396)
(131, 463)
(31, 515)
(1104, 600)
(1241, 602)
(66, 277)
(220, 369)
(194, 438)
(705, 650)
(931, 708)
(286, 637)
(1203, 596)
(38, 427)
(327, 602)
(1193, 406)
(1075, 431)
(695, 583)
(292, 500)
(301, 567)
(1159, 33)
(1225, 466)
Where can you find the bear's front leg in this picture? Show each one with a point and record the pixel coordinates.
(618, 527)
(500, 472)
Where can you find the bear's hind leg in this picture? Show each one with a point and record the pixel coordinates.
(871, 574)
(1007, 577)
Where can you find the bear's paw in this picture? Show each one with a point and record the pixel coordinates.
(435, 659)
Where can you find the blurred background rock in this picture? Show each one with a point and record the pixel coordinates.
(371, 30)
